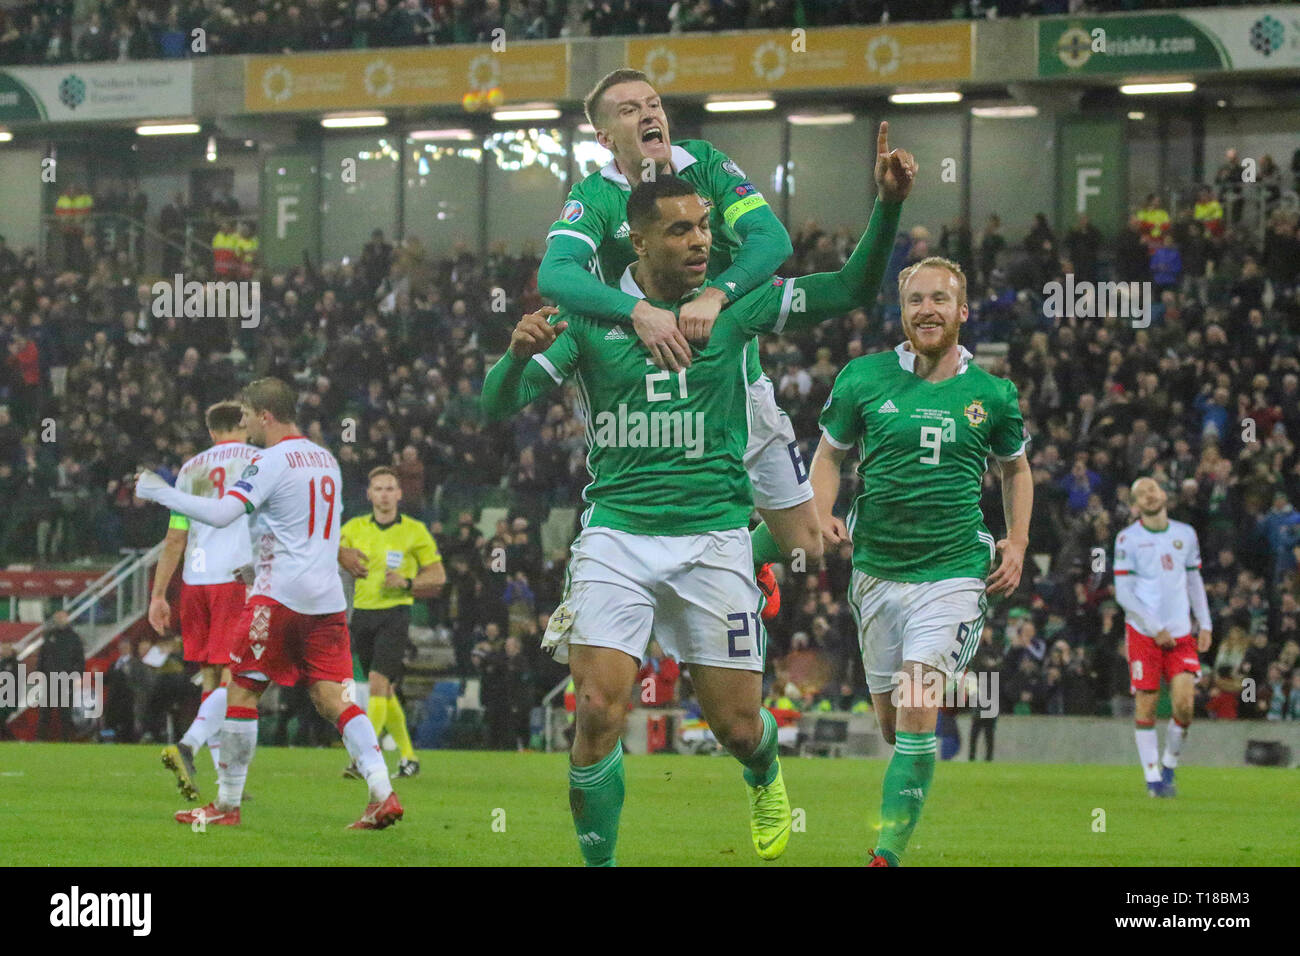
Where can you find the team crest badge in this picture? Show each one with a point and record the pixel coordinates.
(572, 211)
(1178, 545)
(975, 413)
(561, 619)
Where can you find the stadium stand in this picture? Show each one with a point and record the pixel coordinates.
(1104, 402)
(63, 32)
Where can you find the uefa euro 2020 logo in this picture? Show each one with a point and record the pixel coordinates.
(72, 91)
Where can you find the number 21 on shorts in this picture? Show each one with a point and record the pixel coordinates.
(742, 619)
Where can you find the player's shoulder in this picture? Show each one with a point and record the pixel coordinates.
(699, 149)
(414, 526)
(1182, 528)
(595, 187)
(991, 386)
(871, 364)
(707, 160)
(866, 371)
(1132, 530)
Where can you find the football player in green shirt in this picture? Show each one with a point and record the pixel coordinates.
(664, 542)
(589, 248)
(924, 420)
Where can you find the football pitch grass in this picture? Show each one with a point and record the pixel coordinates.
(86, 805)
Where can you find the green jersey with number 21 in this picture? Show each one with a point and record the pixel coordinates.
(924, 448)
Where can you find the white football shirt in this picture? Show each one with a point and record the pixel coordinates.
(295, 493)
(213, 554)
(1159, 562)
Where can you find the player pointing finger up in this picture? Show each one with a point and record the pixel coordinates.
(895, 168)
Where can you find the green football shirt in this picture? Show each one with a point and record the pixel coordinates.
(596, 214)
(923, 449)
(666, 450)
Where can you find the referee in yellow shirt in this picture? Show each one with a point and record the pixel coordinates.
(394, 560)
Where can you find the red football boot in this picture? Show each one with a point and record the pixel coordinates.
(209, 816)
(379, 815)
(771, 592)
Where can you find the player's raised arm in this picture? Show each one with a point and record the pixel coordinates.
(217, 512)
(808, 300)
(515, 380)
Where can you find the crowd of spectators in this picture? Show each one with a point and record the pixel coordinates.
(389, 351)
(63, 31)
(108, 30)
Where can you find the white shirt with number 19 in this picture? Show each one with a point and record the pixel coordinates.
(1158, 563)
(295, 492)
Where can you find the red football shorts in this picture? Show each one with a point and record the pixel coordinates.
(209, 614)
(1147, 660)
(286, 646)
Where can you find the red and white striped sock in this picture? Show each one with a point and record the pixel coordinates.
(238, 743)
(363, 746)
(207, 723)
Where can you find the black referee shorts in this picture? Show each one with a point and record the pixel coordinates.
(380, 638)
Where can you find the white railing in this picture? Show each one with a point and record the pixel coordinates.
(124, 588)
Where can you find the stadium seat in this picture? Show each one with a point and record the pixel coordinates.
(557, 531)
(487, 520)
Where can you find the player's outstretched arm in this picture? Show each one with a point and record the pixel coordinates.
(823, 295)
(217, 512)
(514, 380)
(1017, 505)
(563, 277)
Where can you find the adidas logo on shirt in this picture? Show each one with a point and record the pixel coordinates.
(622, 232)
(616, 334)
(887, 407)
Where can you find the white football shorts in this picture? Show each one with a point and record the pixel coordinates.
(695, 592)
(777, 471)
(934, 622)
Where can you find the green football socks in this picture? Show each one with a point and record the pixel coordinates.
(766, 550)
(761, 765)
(906, 785)
(596, 799)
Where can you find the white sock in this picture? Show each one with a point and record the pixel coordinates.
(238, 742)
(207, 723)
(214, 747)
(1149, 753)
(1173, 743)
(359, 738)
